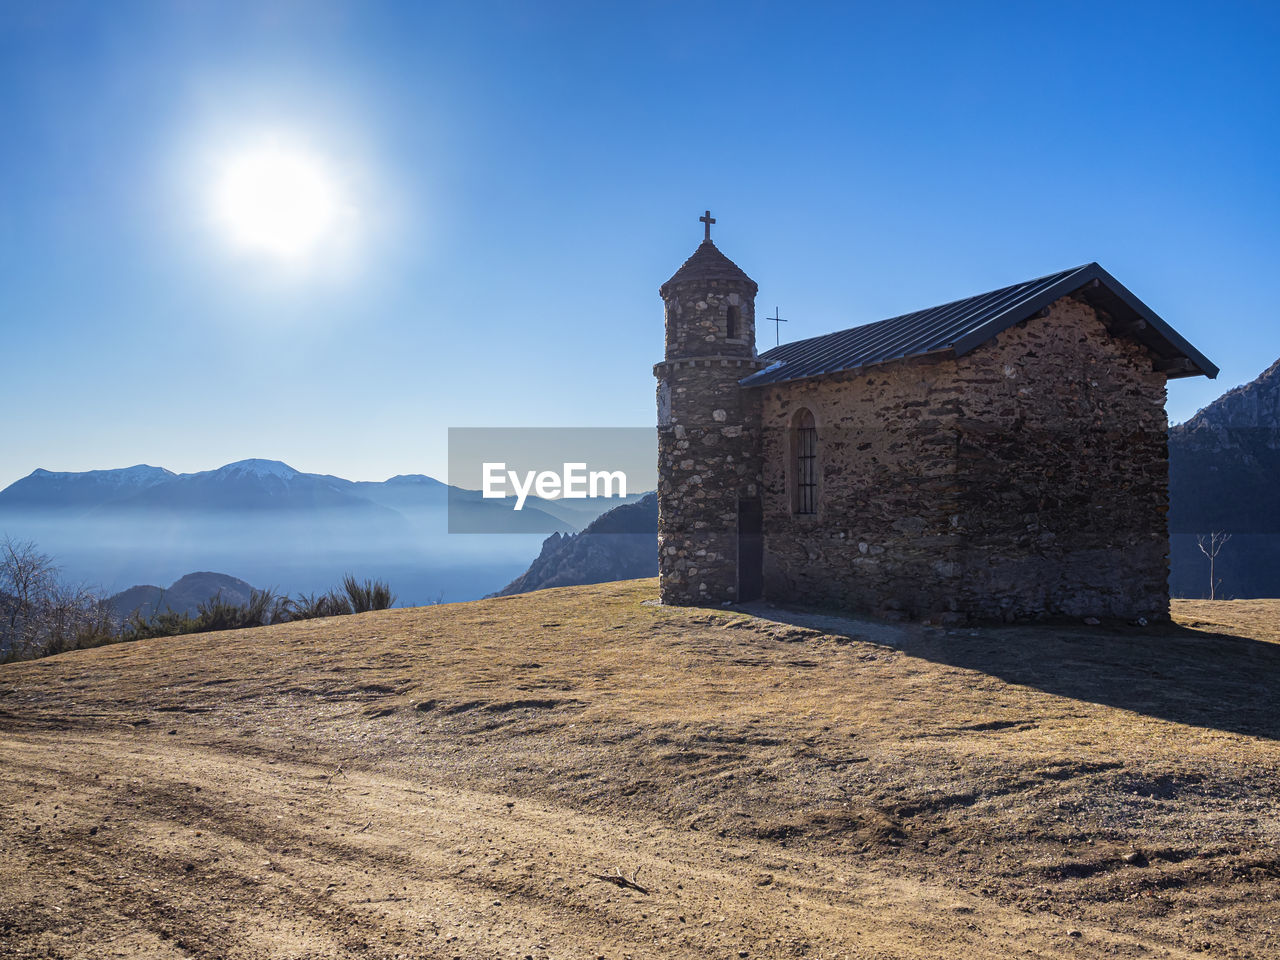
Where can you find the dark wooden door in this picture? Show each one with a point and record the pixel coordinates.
(750, 549)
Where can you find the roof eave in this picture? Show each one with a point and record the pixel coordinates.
(1203, 365)
(1079, 279)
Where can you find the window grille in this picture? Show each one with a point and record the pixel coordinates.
(806, 464)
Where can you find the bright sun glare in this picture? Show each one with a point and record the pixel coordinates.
(278, 200)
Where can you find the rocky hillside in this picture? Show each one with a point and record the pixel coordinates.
(620, 545)
(1223, 468)
(1255, 404)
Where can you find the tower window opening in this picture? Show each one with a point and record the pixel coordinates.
(806, 447)
(731, 323)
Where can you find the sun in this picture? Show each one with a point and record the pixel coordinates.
(279, 200)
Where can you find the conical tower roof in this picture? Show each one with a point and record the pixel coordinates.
(708, 263)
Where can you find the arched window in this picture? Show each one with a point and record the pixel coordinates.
(731, 323)
(806, 462)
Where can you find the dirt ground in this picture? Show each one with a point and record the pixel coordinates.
(456, 781)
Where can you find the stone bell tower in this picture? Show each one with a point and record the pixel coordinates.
(709, 516)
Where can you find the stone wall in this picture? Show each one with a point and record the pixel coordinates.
(1026, 479)
(1064, 472)
(708, 458)
(882, 539)
(697, 319)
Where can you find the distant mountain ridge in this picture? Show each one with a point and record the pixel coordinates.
(274, 485)
(244, 484)
(63, 490)
(299, 532)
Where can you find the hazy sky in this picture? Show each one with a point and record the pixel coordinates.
(470, 206)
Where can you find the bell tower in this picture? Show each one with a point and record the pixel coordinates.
(709, 541)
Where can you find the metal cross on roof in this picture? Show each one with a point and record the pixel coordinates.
(707, 219)
(777, 318)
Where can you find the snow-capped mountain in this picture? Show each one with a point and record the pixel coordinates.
(248, 485)
(256, 468)
(63, 491)
(243, 485)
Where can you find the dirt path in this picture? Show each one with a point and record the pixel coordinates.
(139, 845)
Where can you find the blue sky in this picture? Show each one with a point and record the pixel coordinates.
(518, 178)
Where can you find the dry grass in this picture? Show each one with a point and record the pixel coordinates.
(451, 781)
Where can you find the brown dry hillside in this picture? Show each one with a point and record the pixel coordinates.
(452, 781)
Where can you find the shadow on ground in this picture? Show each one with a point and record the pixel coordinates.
(1186, 675)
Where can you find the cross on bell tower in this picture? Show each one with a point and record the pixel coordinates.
(707, 219)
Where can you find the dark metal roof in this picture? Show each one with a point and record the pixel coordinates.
(708, 263)
(957, 328)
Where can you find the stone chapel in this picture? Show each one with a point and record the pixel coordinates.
(1000, 457)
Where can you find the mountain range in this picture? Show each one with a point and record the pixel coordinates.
(268, 485)
(281, 528)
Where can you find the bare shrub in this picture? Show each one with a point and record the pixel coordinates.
(263, 607)
(368, 594)
(42, 614)
(312, 606)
